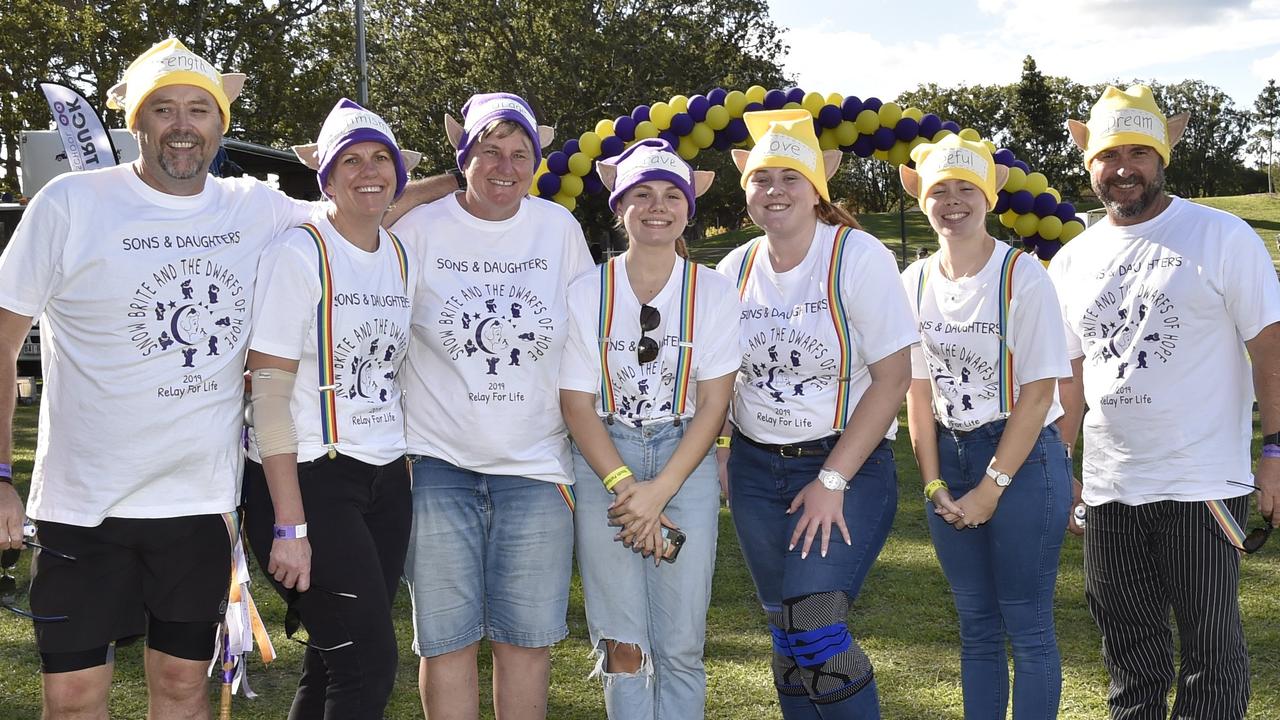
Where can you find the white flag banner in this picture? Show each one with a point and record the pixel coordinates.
(87, 143)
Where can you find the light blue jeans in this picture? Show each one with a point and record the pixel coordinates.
(662, 609)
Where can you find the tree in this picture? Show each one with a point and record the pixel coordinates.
(1266, 113)
(1037, 126)
(1207, 161)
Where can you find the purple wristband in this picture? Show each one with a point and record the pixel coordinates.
(1271, 451)
(289, 532)
(6, 473)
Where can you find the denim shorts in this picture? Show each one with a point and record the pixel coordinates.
(489, 556)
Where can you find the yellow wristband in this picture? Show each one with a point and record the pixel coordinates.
(932, 488)
(615, 477)
(723, 441)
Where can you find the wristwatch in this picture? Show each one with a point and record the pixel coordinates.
(832, 480)
(1002, 479)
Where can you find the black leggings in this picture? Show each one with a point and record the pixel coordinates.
(358, 518)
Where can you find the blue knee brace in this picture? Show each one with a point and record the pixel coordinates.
(786, 674)
(829, 662)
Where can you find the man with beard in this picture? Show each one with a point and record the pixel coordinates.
(138, 462)
(1166, 461)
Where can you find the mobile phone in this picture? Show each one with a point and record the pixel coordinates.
(673, 540)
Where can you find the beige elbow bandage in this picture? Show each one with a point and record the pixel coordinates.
(273, 428)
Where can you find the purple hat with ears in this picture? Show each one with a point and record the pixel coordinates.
(651, 159)
(481, 110)
(346, 125)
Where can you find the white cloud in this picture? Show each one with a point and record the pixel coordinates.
(1267, 68)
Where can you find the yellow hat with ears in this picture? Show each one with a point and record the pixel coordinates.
(785, 138)
(952, 158)
(170, 63)
(1127, 117)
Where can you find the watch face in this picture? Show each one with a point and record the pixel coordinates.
(831, 480)
(1003, 480)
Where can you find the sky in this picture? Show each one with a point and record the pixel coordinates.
(883, 47)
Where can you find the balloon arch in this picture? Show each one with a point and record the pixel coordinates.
(868, 128)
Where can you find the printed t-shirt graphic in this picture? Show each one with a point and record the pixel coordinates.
(1158, 311)
(646, 392)
(960, 328)
(145, 300)
(491, 320)
(788, 387)
(369, 317)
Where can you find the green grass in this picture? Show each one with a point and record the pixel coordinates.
(904, 619)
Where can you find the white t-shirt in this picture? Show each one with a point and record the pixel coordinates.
(959, 324)
(646, 393)
(370, 319)
(144, 301)
(787, 389)
(1159, 311)
(489, 327)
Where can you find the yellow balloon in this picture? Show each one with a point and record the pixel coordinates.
(687, 149)
(835, 99)
(881, 155)
(717, 117)
(660, 115)
(604, 128)
(735, 102)
(533, 183)
(813, 102)
(571, 185)
(702, 135)
(827, 140)
(1036, 183)
(1071, 229)
(1050, 228)
(646, 130)
(917, 141)
(890, 114)
(846, 133)
(899, 153)
(755, 94)
(1017, 180)
(937, 137)
(566, 200)
(679, 104)
(579, 164)
(970, 134)
(1007, 217)
(793, 106)
(589, 144)
(1056, 195)
(991, 147)
(1026, 224)
(914, 113)
(867, 122)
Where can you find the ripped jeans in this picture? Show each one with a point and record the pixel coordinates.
(663, 609)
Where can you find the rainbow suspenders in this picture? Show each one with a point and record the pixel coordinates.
(1005, 291)
(325, 361)
(836, 305)
(684, 361)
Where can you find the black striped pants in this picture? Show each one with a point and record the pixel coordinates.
(1141, 561)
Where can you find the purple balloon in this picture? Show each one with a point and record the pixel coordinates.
(872, 103)
(736, 131)
(1044, 204)
(548, 183)
(722, 141)
(571, 146)
(1046, 249)
(670, 136)
(1066, 212)
(795, 94)
(1022, 166)
(590, 183)
(830, 116)
(612, 145)
(625, 128)
(1030, 242)
(717, 96)
(698, 106)
(850, 108)
(1003, 156)
(907, 129)
(753, 107)
(863, 147)
(682, 124)
(558, 163)
(930, 124)
(774, 99)
(640, 113)
(951, 125)
(883, 138)
(1002, 202)
(1021, 202)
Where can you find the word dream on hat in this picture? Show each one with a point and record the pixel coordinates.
(650, 160)
(482, 110)
(953, 158)
(1127, 117)
(347, 124)
(785, 138)
(169, 62)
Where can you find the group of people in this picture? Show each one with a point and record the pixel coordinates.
(449, 391)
